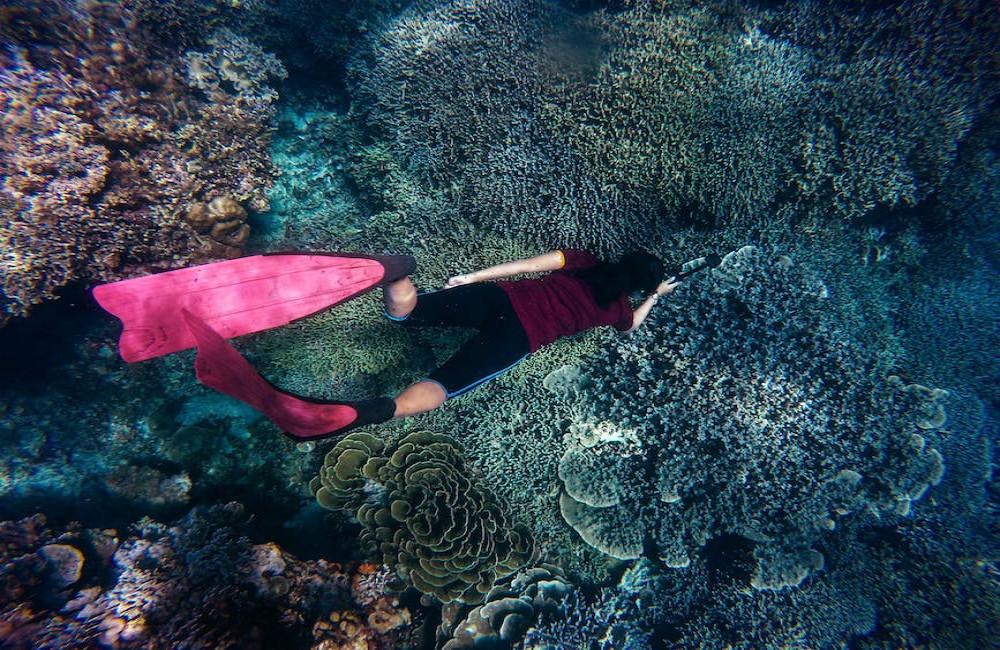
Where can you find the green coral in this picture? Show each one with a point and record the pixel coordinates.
(609, 129)
(431, 518)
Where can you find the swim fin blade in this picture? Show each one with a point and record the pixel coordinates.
(240, 296)
(220, 366)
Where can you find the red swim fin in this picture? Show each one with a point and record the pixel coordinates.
(239, 296)
(220, 366)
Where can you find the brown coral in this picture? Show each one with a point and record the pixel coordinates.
(105, 145)
(221, 226)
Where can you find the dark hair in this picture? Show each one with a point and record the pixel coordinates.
(635, 271)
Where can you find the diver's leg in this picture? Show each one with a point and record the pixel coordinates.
(487, 354)
(423, 396)
(400, 297)
(470, 305)
(497, 347)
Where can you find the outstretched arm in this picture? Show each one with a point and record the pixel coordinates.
(551, 261)
(642, 310)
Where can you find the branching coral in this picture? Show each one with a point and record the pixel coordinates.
(747, 416)
(428, 515)
(472, 136)
(105, 147)
(722, 109)
(197, 582)
(608, 128)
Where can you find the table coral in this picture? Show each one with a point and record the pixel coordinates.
(423, 508)
(106, 145)
(753, 416)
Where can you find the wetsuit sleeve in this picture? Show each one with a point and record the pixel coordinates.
(574, 258)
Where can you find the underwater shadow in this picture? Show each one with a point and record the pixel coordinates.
(34, 348)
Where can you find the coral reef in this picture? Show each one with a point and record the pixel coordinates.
(313, 204)
(732, 415)
(92, 439)
(423, 509)
(149, 485)
(475, 143)
(618, 617)
(532, 596)
(779, 445)
(607, 128)
(314, 36)
(861, 597)
(106, 145)
(721, 109)
(195, 583)
(221, 226)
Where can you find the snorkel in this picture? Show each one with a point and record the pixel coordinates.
(688, 269)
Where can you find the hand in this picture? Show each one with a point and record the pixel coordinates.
(667, 286)
(458, 281)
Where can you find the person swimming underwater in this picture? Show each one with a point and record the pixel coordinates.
(202, 306)
(515, 318)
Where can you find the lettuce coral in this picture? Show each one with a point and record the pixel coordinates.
(423, 509)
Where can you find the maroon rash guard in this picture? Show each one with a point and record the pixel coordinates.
(560, 304)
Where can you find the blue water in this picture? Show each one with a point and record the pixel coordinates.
(795, 448)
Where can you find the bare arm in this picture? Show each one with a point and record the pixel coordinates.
(551, 261)
(642, 310)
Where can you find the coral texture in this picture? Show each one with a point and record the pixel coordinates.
(196, 583)
(718, 109)
(532, 596)
(423, 509)
(616, 618)
(740, 411)
(608, 128)
(456, 90)
(110, 136)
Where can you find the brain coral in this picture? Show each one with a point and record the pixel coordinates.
(424, 510)
(740, 410)
(107, 142)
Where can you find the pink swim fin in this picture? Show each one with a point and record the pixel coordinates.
(220, 366)
(237, 297)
